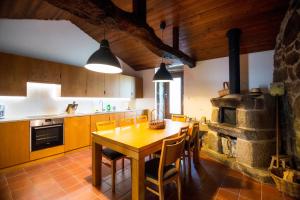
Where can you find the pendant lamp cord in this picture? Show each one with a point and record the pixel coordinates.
(104, 31)
(162, 28)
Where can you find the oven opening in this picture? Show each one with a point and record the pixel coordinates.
(228, 115)
(46, 136)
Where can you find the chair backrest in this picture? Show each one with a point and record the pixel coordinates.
(179, 118)
(184, 131)
(105, 125)
(126, 122)
(172, 150)
(194, 132)
(141, 119)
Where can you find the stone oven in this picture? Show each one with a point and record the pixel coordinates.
(242, 128)
(248, 143)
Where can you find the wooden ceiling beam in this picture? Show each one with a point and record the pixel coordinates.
(139, 8)
(104, 12)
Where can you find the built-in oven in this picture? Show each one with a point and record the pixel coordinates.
(46, 133)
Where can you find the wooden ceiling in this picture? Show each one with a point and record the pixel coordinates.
(202, 25)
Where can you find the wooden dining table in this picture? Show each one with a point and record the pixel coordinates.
(136, 142)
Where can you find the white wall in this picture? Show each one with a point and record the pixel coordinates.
(261, 70)
(203, 82)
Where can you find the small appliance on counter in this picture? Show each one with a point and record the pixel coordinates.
(72, 108)
(2, 111)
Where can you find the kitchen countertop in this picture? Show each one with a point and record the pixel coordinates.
(62, 115)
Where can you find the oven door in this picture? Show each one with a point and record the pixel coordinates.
(46, 136)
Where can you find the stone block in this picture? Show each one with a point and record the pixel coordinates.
(255, 153)
(212, 141)
(255, 119)
(215, 114)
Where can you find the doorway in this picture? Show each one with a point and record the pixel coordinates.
(169, 96)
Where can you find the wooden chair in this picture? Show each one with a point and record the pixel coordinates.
(109, 154)
(179, 118)
(141, 119)
(191, 141)
(184, 131)
(166, 169)
(126, 122)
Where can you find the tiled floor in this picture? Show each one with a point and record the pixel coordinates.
(69, 177)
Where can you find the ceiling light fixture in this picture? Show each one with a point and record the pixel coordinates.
(103, 60)
(162, 74)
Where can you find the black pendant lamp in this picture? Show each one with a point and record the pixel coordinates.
(103, 60)
(162, 74)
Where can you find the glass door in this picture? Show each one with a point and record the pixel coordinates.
(169, 96)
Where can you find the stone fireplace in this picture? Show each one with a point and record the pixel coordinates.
(242, 135)
(242, 128)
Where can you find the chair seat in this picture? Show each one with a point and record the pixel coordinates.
(151, 169)
(111, 154)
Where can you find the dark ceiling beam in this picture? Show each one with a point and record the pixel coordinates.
(139, 8)
(99, 12)
(175, 37)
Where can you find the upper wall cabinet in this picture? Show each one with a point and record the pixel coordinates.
(13, 75)
(131, 87)
(95, 84)
(16, 71)
(112, 85)
(73, 81)
(44, 72)
(138, 87)
(127, 88)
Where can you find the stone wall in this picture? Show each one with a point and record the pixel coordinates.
(287, 70)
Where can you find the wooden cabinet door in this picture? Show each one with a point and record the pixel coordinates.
(73, 81)
(138, 88)
(95, 84)
(76, 132)
(44, 71)
(117, 117)
(112, 85)
(126, 85)
(98, 118)
(130, 114)
(13, 75)
(14, 143)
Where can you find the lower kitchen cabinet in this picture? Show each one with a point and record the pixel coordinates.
(77, 132)
(98, 118)
(14, 143)
(117, 117)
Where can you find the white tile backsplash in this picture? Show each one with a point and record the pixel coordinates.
(45, 99)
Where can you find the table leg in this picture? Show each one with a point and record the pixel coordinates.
(196, 150)
(138, 179)
(96, 163)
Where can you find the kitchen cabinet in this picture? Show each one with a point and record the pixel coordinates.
(14, 143)
(77, 132)
(41, 71)
(127, 86)
(117, 117)
(94, 84)
(138, 87)
(98, 118)
(130, 114)
(73, 81)
(112, 85)
(13, 75)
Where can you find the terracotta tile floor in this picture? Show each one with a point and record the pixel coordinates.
(69, 177)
